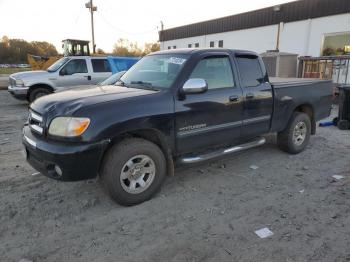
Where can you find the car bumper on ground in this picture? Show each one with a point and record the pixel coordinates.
(18, 92)
(63, 161)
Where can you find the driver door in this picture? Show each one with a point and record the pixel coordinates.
(211, 119)
(74, 73)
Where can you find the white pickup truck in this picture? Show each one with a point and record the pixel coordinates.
(66, 72)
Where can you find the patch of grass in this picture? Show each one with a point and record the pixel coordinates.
(8, 71)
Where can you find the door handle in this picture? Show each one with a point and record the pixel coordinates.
(88, 77)
(249, 95)
(234, 98)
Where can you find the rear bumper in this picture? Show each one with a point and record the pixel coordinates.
(77, 161)
(18, 92)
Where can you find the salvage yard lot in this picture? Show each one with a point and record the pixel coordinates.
(204, 213)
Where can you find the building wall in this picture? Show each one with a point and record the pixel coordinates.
(301, 37)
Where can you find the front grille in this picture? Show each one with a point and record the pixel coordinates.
(35, 121)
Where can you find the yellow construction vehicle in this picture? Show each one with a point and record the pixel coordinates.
(71, 47)
(41, 63)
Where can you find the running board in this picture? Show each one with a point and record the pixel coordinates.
(195, 159)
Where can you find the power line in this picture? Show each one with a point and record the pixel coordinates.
(122, 31)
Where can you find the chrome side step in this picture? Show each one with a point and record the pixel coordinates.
(195, 159)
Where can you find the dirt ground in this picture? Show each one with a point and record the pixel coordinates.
(203, 213)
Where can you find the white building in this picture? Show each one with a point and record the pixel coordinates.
(305, 27)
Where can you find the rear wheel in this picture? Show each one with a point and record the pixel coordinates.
(38, 92)
(296, 136)
(133, 171)
(343, 124)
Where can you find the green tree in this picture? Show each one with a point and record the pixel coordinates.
(100, 51)
(124, 47)
(44, 48)
(14, 51)
(150, 48)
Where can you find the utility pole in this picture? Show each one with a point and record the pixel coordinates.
(278, 37)
(92, 10)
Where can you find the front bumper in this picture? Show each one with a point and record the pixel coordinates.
(18, 92)
(77, 161)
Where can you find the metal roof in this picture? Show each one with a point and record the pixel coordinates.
(289, 12)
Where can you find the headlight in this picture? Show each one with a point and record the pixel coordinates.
(68, 126)
(19, 82)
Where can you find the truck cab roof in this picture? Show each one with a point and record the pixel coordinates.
(204, 50)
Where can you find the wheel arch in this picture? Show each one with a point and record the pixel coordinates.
(309, 110)
(151, 135)
(39, 85)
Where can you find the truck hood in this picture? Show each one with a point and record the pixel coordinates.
(65, 88)
(68, 102)
(30, 74)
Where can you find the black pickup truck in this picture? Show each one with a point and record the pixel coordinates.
(172, 107)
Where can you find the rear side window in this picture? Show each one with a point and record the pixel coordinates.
(100, 65)
(250, 70)
(216, 71)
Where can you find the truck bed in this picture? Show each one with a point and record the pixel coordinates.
(281, 82)
(290, 92)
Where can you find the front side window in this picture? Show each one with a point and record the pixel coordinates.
(75, 66)
(250, 70)
(157, 71)
(196, 45)
(216, 71)
(100, 65)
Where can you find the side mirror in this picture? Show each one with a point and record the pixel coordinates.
(62, 72)
(195, 86)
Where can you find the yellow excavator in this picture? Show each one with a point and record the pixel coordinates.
(71, 47)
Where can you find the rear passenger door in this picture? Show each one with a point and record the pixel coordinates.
(258, 96)
(211, 119)
(101, 70)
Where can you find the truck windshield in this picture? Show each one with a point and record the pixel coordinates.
(57, 64)
(155, 71)
(112, 79)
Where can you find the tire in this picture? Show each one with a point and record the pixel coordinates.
(296, 136)
(122, 166)
(38, 92)
(343, 124)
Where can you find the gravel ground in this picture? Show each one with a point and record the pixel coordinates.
(203, 213)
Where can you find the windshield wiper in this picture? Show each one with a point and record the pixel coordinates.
(144, 85)
(141, 83)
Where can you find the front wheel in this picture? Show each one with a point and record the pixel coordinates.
(38, 92)
(296, 136)
(133, 171)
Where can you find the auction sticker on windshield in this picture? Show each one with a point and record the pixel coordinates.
(176, 60)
